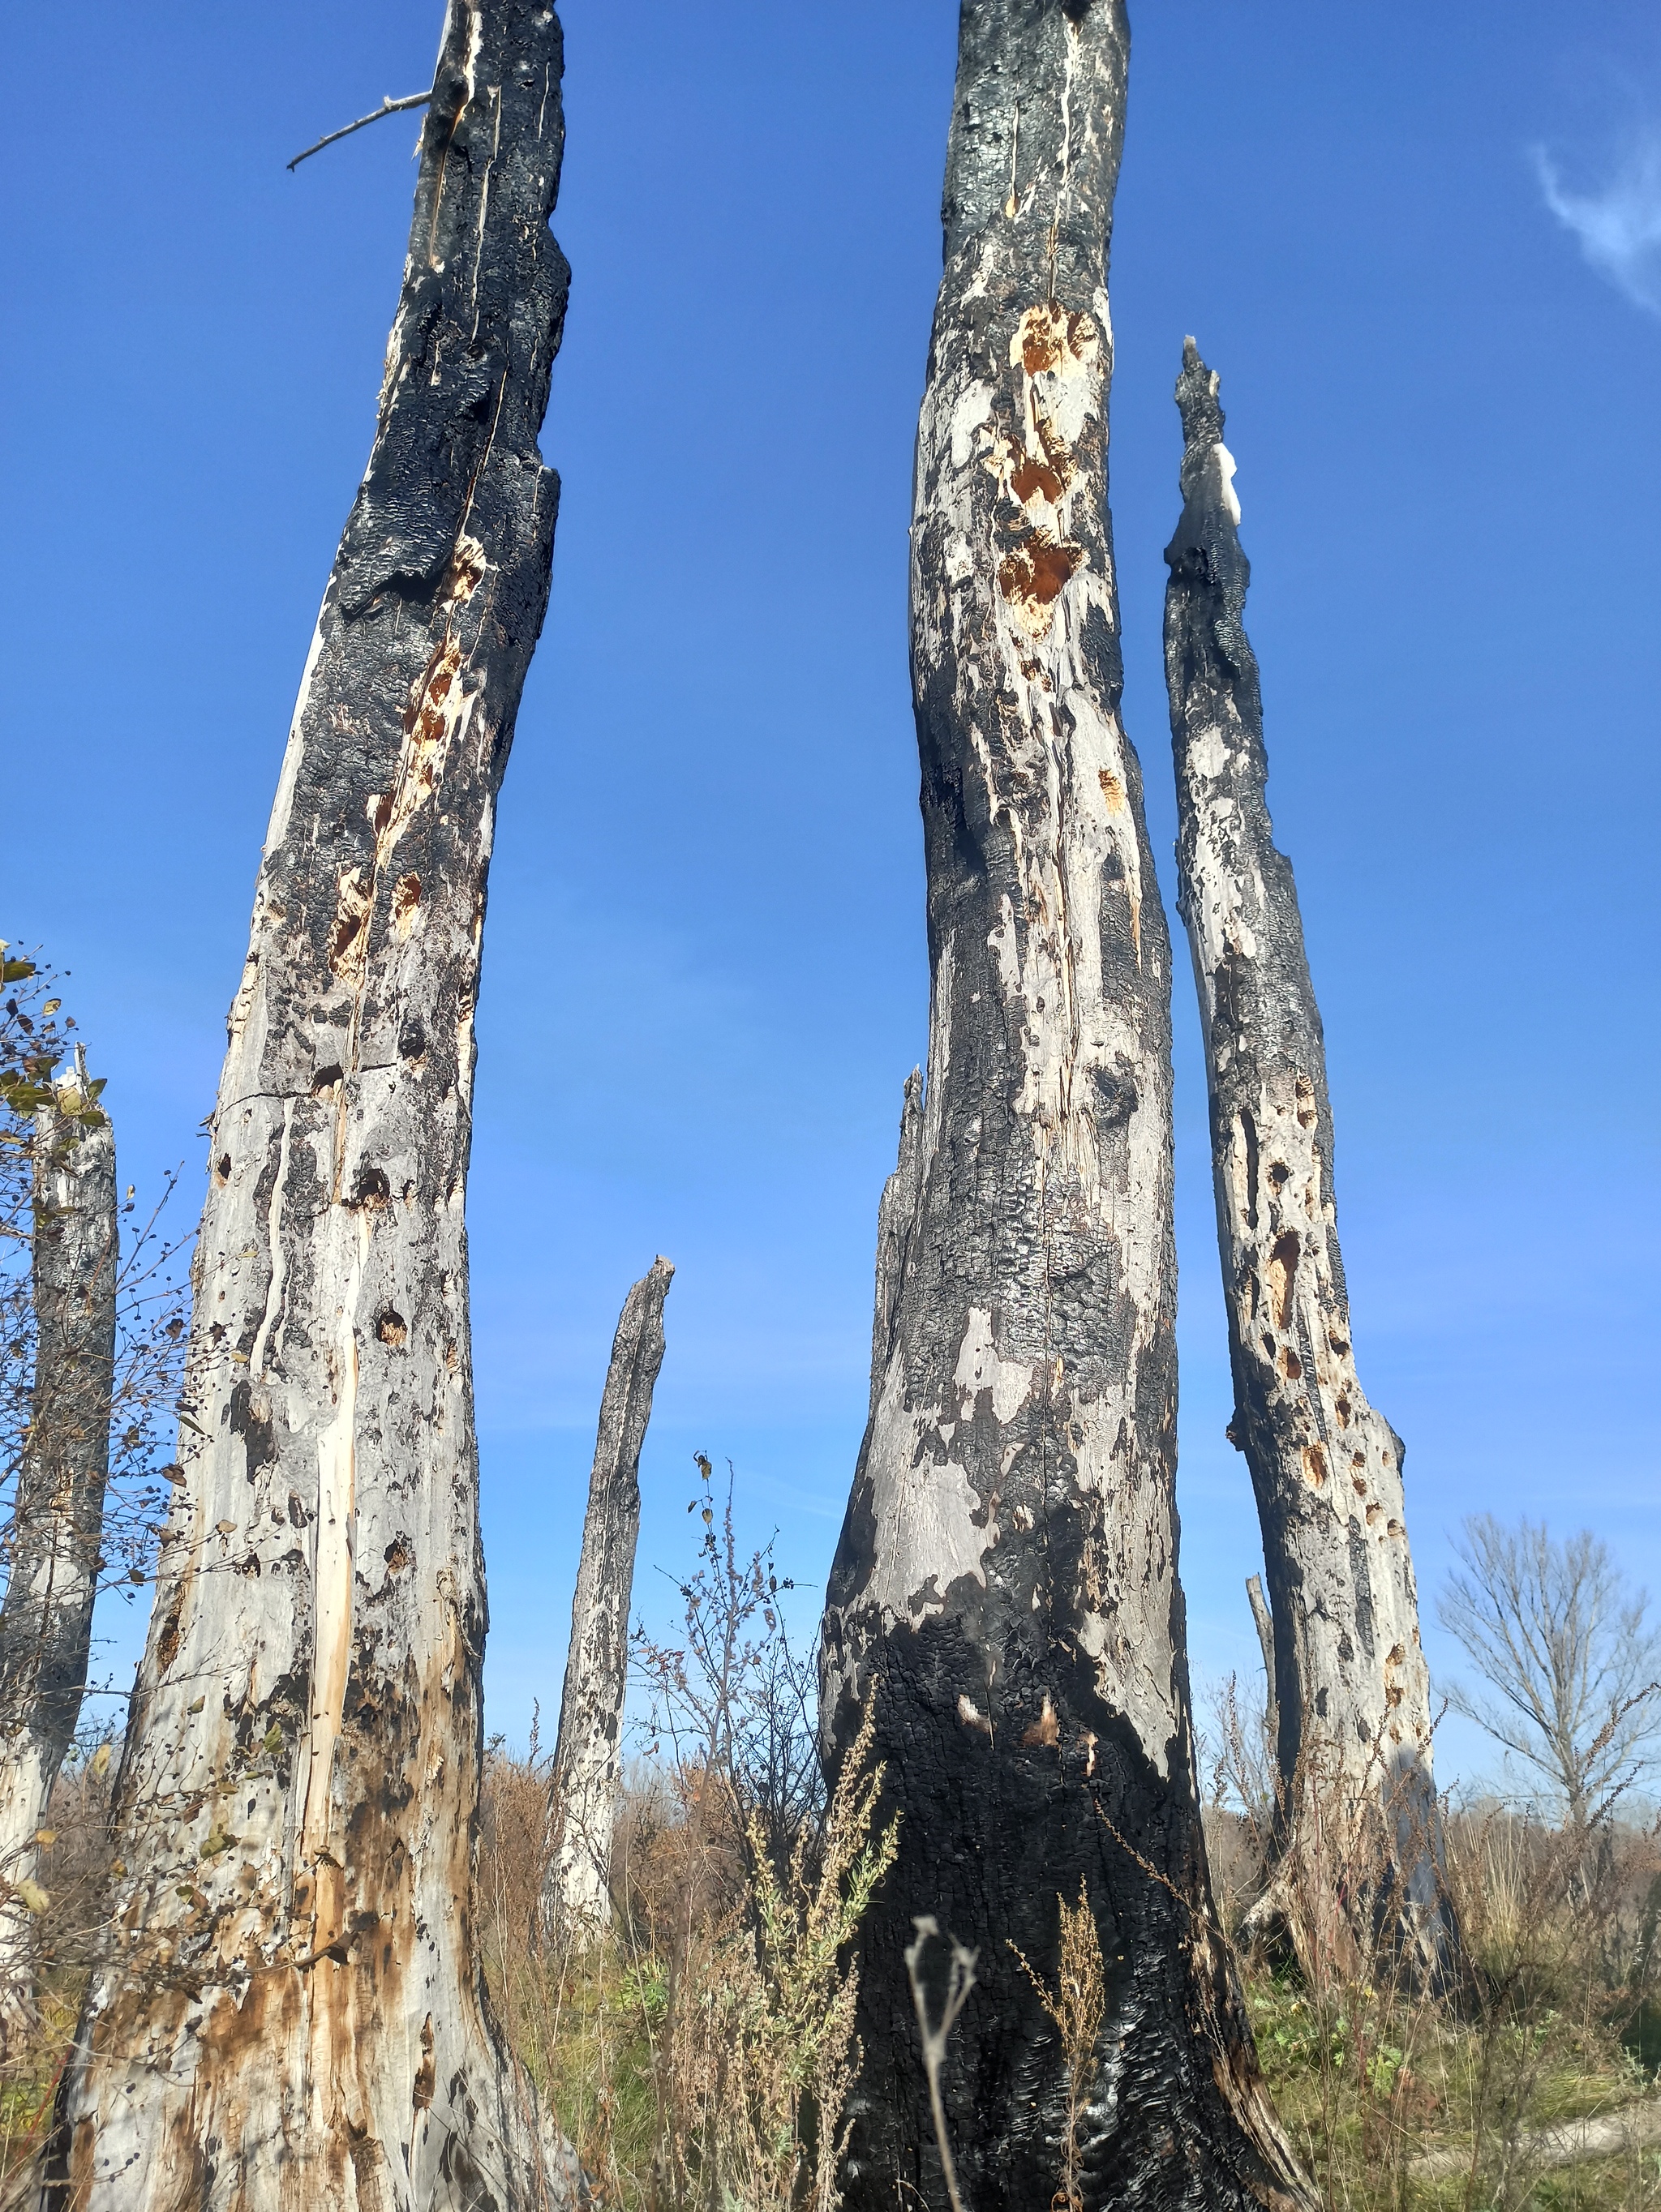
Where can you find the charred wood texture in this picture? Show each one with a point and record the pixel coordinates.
(292, 2011)
(1349, 1679)
(1006, 1581)
(52, 1552)
(576, 1902)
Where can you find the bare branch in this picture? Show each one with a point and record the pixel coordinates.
(388, 106)
(1554, 1631)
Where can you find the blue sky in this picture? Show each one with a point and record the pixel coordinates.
(1423, 247)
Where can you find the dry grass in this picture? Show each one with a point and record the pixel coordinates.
(699, 2055)
(1076, 2005)
(1551, 2018)
(701, 2052)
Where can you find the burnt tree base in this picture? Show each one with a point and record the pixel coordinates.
(994, 1836)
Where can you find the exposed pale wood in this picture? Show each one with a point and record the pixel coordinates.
(52, 1546)
(1005, 1580)
(1349, 1677)
(1263, 1624)
(576, 1902)
(292, 2014)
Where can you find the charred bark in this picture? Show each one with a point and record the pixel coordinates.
(576, 1898)
(1005, 1584)
(293, 2012)
(45, 1622)
(1351, 1688)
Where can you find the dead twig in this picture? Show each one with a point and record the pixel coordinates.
(959, 1982)
(388, 106)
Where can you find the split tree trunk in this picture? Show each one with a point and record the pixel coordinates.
(293, 2012)
(576, 1898)
(45, 1622)
(1351, 1688)
(1006, 1584)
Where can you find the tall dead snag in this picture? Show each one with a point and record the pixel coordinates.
(1349, 1681)
(576, 1897)
(293, 2011)
(1006, 1581)
(52, 1564)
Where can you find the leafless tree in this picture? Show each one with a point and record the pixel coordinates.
(576, 1897)
(731, 1698)
(1571, 1660)
(1347, 1675)
(1006, 1576)
(91, 1320)
(295, 2013)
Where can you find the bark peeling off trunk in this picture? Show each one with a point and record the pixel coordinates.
(293, 2010)
(1006, 1581)
(45, 1623)
(582, 1798)
(1349, 1679)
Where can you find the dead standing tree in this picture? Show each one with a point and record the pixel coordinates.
(57, 1515)
(1005, 1580)
(1349, 1679)
(293, 2010)
(576, 1898)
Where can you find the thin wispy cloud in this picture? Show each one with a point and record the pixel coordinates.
(1619, 225)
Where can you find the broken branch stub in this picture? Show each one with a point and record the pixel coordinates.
(1005, 1577)
(293, 2002)
(1347, 1676)
(388, 106)
(577, 1899)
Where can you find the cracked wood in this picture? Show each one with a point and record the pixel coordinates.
(292, 2011)
(1006, 1581)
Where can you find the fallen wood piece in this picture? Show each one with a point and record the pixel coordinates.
(1570, 2143)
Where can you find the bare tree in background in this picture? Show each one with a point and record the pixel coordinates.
(576, 1898)
(1347, 1675)
(89, 1341)
(1571, 1660)
(733, 1699)
(58, 1506)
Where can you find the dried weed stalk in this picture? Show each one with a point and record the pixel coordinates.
(936, 2034)
(1077, 2005)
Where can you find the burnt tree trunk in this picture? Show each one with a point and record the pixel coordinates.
(292, 2012)
(1006, 1581)
(1350, 1686)
(58, 1517)
(576, 1897)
